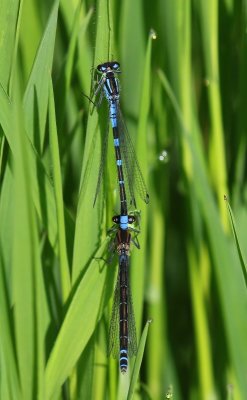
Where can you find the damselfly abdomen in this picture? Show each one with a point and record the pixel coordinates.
(122, 340)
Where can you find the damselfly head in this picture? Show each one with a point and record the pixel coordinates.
(108, 66)
(117, 219)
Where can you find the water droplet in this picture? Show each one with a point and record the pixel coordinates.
(230, 388)
(153, 34)
(169, 393)
(164, 156)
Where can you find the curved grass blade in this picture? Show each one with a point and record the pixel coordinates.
(58, 192)
(138, 361)
(37, 90)
(64, 80)
(139, 260)
(8, 359)
(240, 253)
(9, 32)
(47, 215)
(27, 280)
(85, 310)
(88, 223)
(232, 295)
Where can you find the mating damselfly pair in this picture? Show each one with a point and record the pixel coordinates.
(122, 337)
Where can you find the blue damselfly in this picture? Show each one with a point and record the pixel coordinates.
(127, 164)
(122, 335)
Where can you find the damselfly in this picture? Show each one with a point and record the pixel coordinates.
(127, 164)
(122, 341)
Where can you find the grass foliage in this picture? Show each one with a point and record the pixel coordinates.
(183, 96)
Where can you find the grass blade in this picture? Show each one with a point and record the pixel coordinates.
(63, 258)
(8, 359)
(138, 361)
(9, 18)
(37, 91)
(26, 279)
(240, 253)
(88, 303)
(88, 223)
(232, 296)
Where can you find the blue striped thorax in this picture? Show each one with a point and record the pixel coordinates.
(111, 86)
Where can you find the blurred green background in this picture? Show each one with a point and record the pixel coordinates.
(183, 97)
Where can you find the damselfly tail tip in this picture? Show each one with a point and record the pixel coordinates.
(123, 370)
(147, 198)
(123, 362)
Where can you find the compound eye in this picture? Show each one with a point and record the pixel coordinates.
(116, 219)
(116, 66)
(131, 219)
(101, 68)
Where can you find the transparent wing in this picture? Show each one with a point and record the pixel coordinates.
(132, 171)
(132, 342)
(102, 164)
(113, 345)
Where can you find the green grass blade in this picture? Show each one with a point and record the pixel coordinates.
(138, 258)
(15, 50)
(208, 14)
(138, 361)
(205, 367)
(37, 96)
(131, 25)
(89, 219)
(47, 215)
(181, 77)
(9, 17)
(63, 83)
(88, 303)
(190, 273)
(240, 253)
(37, 91)
(58, 191)
(26, 294)
(233, 295)
(35, 107)
(85, 369)
(31, 29)
(155, 293)
(84, 60)
(8, 359)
